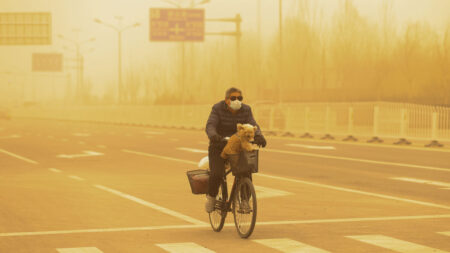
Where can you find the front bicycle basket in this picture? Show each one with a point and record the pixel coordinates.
(245, 162)
(198, 180)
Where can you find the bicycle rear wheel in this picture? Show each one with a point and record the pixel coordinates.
(245, 207)
(217, 217)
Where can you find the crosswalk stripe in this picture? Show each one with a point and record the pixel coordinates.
(186, 247)
(288, 245)
(394, 244)
(80, 250)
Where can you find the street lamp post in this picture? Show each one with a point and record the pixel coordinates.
(79, 68)
(119, 31)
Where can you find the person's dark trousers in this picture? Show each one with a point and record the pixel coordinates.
(217, 167)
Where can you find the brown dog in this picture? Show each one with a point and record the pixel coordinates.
(240, 141)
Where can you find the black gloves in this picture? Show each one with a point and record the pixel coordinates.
(216, 138)
(260, 141)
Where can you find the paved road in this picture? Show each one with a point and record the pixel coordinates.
(79, 187)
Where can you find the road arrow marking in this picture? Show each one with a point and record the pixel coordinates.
(87, 153)
(312, 147)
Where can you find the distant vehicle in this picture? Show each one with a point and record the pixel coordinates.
(5, 114)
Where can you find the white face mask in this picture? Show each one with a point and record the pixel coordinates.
(235, 105)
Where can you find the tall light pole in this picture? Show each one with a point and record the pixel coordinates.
(119, 29)
(281, 71)
(79, 68)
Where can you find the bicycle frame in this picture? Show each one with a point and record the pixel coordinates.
(229, 200)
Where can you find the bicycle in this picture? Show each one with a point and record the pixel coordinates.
(242, 199)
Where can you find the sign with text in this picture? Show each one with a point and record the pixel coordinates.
(177, 24)
(27, 28)
(47, 62)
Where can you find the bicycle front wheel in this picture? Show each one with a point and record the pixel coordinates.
(217, 217)
(245, 207)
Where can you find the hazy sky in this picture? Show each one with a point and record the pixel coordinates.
(101, 64)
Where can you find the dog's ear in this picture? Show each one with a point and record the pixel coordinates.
(240, 126)
(255, 128)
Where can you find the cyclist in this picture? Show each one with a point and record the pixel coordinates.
(222, 123)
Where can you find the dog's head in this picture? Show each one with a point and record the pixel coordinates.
(246, 132)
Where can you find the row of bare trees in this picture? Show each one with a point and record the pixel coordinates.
(349, 58)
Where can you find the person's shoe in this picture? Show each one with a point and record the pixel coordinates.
(210, 203)
(244, 206)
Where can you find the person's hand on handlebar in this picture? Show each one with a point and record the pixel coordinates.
(260, 141)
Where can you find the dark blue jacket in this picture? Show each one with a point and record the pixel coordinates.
(222, 122)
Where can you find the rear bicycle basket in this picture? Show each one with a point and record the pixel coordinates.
(198, 180)
(244, 163)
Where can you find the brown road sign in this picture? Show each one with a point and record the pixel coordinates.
(27, 28)
(177, 24)
(47, 62)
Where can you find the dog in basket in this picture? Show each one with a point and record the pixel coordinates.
(240, 141)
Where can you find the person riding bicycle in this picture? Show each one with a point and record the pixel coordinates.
(222, 123)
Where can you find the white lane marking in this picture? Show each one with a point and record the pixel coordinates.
(151, 205)
(193, 150)
(80, 250)
(76, 178)
(81, 134)
(358, 160)
(394, 244)
(13, 136)
(101, 146)
(18, 157)
(86, 153)
(158, 156)
(421, 181)
(355, 191)
(305, 182)
(81, 142)
(54, 170)
(152, 132)
(447, 233)
(184, 247)
(311, 146)
(270, 223)
(265, 192)
(289, 246)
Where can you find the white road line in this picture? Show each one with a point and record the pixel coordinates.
(267, 223)
(358, 160)
(80, 250)
(306, 182)
(158, 156)
(81, 134)
(86, 153)
(421, 181)
(13, 136)
(54, 170)
(447, 233)
(76, 178)
(193, 150)
(355, 191)
(311, 146)
(394, 244)
(151, 205)
(289, 246)
(265, 192)
(152, 132)
(185, 247)
(18, 157)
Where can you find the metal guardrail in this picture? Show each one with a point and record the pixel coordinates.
(373, 120)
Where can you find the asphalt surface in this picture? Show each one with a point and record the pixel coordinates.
(80, 187)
